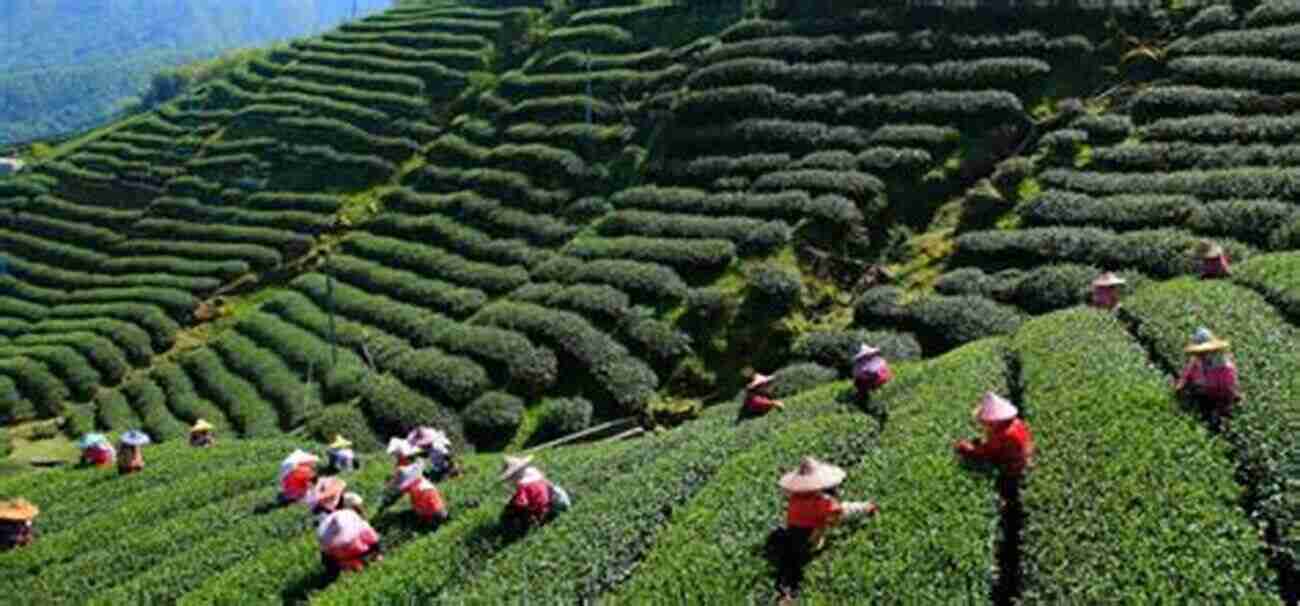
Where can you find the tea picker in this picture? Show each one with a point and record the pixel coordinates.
(96, 451)
(758, 397)
(297, 473)
(1007, 442)
(436, 447)
(347, 543)
(1209, 380)
(1105, 291)
(870, 371)
(426, 500)
(16, 528)
(324, 497)
(1214, 262)
(131, 458)
(341, 457)
(201, 434)
(536, 500)
(813, 507)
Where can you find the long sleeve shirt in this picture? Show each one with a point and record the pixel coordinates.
(132, 460)
(811, 511)
(352, 555)
(758, 403)
(297, 482)
(1214, 381)
(1012, 448)
(532, 494)
(871, 374)
(1216, 267)
(426, 500)
(99, 454)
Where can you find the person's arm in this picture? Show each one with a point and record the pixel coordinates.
(854, 509)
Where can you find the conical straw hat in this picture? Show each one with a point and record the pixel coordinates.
(759, 380)
(340, 442)
(401, 448)
(340, 529)
(1108, 279)
(1204, 341)
(18, 510)
(201, 425)
(91, 439)
(864, 351)
(513, 465)
(135, 438)
(995, 408)
(811, 476)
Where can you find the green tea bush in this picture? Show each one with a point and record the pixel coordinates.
(939, 322)
(407, 286)
(773, 290)
(1224, 128)
(113, 411)
(1210, 19)
(563, 416)
(183, 399)
(1104, 129)
(1180, 101)
(347, 421)
(800, 377)
(1259, 73)
(1272, 12)
(493, 419)
(431, 261)
(274, 379)
(1186, 156)
(1251, 221)
(1060, 147)
(836, 348)
(966, 281)
(6, 446)
(655, 339)
(643, 281)
(603, 304)
(1117, 403)
(751, 236)
(690, 257)
(1161, 253)
(248, 412)
(150, 404)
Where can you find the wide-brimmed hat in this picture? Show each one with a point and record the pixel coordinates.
(341, 528)
(865, 351)
(1204, 341)
(91, 439)
(428, 437)
(994, 408)
(409, 475)
(1209, 250)
(135, 437)
(18, 510)
(201, 426)
(327, 492)
(352, 499)
(512, 466)
(340, 442)
(299, 457)
(1108, 279)
(759, 380)
(811, 476)
(401, 448)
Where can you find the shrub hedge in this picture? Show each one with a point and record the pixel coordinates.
(431, 261)
(1161, 252)
(751, 236)
(643, 281)
(561, 417)
(691, 257)
(836, 348)
(939, 322)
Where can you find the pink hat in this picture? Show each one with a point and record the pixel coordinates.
(341, 528)
(995, 408)
(759, 380)
(428, 437)
(401, 448)
(327, 492)
(1108, 279)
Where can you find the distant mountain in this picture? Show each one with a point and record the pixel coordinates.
(67, 64)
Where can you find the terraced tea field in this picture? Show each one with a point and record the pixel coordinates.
(518, 222)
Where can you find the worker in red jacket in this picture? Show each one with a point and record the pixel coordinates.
(536, 500)
(297, 474)
(201, 435)
(813, 507)
(426, 500)
(1105, 291)
(1209, 380)
(347, 543)
(96, 451)
(1214, 261)
(1007, 442)
(758, 397)
(870, 371)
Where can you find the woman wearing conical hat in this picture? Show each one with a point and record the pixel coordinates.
(131, 456)
(426, 499)
(1209, 380)
(201, 434)
(535, 501)
(297, 475)
(96, 451)
(758, 397)
(325, 496)
(1105, 291)
(341, 457)
(347, 543)
(435, 446)
(16, 528)
(870, 371)
(1214, 261)
(813, 506)
(1007, 442)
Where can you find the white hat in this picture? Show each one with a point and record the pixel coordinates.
(341, 528)
(401, 448)
(759, 380)
(298, 457)
(865, 351)
(352, 499)
(1108, 279)
(996, 408)
(428, 437)
(811, 476)
(409, 475)
(1210, 250)
(1204, 341)
(514, 465)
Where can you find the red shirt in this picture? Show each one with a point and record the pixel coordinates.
(1105, 297)
(534, 497)
(1012, 449)
(1218, 382)
(298, 482)
(426, 500)
(811, 510)
(759, 403)
(98, 455)
(349, 557)
(866, 380)
(1214, 268)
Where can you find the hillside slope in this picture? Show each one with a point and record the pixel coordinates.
(67, 65)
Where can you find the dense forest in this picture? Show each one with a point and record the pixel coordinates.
(67, 64)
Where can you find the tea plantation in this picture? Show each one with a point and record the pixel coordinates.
(518, 220)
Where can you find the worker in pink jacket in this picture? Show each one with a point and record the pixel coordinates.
(1214, 261)
(758, 397)
(1209, 380)
(1105, 291)
(347, 543)
(870, 371)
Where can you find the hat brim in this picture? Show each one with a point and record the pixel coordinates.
(518, 466)
(340, 444)
(1108, 283)
(1211, 346)
(866, 353)
(756, 383)
(201, 427)
(827, 476)
(18, 511)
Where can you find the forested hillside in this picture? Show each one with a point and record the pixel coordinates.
(68, 64)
